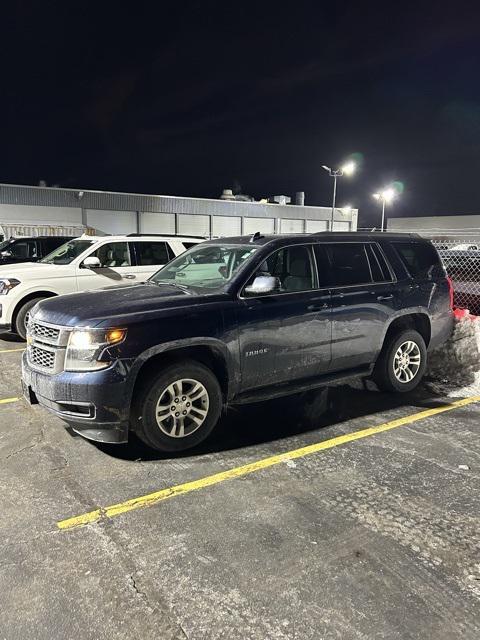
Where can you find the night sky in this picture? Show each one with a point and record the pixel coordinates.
(187, 98)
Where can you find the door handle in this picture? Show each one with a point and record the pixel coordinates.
(130, 276)
(317, 307)
(380, 298)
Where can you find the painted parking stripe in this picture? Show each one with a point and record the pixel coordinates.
(9, 400)
(11, 350)
(208, 481)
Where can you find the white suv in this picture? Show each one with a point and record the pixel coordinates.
(88, 262)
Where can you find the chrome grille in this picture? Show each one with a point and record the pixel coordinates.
(41, 357)
(44, 331)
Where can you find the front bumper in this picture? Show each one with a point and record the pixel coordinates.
(93, 404)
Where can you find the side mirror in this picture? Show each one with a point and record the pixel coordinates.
(263, 285)
(6, 254)
(92, 262)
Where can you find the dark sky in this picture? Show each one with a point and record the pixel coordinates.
(189, 97)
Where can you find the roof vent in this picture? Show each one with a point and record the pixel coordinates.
(227, 194)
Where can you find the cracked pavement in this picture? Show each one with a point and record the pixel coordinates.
(374, 539)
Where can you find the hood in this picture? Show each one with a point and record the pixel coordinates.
(107, 306)
(34, 269)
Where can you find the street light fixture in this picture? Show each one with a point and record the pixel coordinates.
(347, 169)
(385, 197)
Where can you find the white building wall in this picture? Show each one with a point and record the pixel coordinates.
(460, 223)
(32, 215)
(157, 222)
(112, 222)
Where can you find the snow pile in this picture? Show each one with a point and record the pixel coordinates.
(454, 368)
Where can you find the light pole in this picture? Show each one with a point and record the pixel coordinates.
(385, 197)
(346, 170)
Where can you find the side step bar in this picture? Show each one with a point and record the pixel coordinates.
(287, 389)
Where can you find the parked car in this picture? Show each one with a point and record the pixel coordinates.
(29, 249)
(237, 320)
(83, 263)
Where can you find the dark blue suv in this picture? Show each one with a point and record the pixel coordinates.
(237, 320)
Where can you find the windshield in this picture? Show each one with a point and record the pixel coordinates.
(205, 266)
(67, 252)
(4, 244)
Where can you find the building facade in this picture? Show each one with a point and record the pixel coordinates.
(123, 213)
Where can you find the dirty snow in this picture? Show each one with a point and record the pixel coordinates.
(454, 368)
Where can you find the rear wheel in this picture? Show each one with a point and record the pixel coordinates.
(402, 363)
(23, 314)
(179, 408)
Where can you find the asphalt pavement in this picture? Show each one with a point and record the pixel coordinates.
(289, 522)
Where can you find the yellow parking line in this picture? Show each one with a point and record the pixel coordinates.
(208, 481)
(11, 350)
(8, 400)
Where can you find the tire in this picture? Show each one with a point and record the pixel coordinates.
(398, 374)
(199, 386)
(22, 317)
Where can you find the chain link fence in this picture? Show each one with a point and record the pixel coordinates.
(461, 257)
(455, 368)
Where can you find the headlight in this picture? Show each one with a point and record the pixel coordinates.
(6, 284)
(85, 346)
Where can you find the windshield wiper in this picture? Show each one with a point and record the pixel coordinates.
(172, 283)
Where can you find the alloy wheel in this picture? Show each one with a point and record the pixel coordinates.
(182, 408)
(407, 361)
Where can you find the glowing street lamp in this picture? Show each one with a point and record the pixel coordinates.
(385, 197)
(347, 169)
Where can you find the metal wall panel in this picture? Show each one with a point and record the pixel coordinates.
(157, 223)
(193, 225)
(112, 222)
(314, 226)
(287, 225)
(29, 214)
(223, 226)
(339, 225)
(263, 225)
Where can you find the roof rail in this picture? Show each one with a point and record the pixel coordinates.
(163, 235)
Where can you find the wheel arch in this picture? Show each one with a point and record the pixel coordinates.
(209, 352)
(30, 296)
(418, 320)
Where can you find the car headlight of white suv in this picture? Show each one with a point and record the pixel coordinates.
(7, 284)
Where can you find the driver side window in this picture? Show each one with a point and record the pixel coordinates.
(113, 254)
(292, 266)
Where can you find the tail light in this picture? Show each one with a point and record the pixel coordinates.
(451, 292)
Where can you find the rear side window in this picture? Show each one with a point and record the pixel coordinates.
(420, 259)
(347, 265)
(153, 253)
(52, 243)
(378, 264)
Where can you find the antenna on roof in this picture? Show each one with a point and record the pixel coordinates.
(256, 236)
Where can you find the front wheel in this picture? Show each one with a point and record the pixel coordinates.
(179, 408)
(402, 363)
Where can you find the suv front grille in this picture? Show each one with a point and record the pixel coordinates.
(42, 331)
(41, 357)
